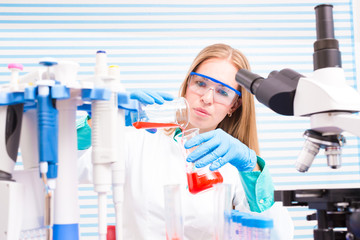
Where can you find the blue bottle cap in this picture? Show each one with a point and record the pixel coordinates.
(234, 214)
(243, 215)
(237, 216)
(258, 222)
(101, 51)
(248, 221)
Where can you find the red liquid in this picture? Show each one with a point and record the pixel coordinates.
(198, 183)
(111, 232)
(149, 125)
(172, 238)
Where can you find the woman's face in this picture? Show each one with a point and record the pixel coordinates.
(205, 113)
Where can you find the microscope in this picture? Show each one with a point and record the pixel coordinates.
(332, 107)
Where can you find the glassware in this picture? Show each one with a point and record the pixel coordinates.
(222, 211)
(170, 114)
(199, 179)
(173, 212)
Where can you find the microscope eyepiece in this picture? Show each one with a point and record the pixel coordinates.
(276, 92)
(324, 21)
(250, 81)
(326, 47)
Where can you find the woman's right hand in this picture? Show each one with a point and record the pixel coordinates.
(151, 97)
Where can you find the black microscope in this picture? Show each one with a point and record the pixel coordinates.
(332, 107)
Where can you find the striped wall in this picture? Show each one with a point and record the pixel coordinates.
(154, 44)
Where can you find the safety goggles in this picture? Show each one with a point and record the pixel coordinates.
(201, 84)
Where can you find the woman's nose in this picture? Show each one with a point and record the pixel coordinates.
(208, 96)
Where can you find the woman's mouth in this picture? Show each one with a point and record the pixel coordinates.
(201, 112)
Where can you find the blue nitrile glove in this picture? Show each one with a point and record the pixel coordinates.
(151, 97)
(218, 148)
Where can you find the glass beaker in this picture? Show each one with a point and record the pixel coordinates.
(173, 212)
(170, 114)
(199, 179)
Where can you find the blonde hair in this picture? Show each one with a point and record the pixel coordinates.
(242, 123)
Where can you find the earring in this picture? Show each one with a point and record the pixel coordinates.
(229, 115)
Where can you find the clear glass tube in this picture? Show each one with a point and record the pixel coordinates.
(173, 212)
(222, 211)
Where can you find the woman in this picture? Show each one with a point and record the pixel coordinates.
(225, 115)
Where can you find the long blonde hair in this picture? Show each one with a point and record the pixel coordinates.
(242, 123)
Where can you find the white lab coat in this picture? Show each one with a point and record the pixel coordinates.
(155, 160)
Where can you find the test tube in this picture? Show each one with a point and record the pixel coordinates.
(173, 212)
(222, 211)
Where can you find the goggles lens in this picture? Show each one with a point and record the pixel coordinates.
(201, 84)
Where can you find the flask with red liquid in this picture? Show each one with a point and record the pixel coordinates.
(199, 179)
(170, 114)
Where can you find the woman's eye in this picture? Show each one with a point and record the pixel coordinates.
(201, 84)
(223, 93)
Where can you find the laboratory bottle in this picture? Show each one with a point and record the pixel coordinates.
(233, 225)
(199, 179)
(237, 228)
(257, 227)
(170, 114)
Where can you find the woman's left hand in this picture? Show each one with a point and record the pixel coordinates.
(218, 148)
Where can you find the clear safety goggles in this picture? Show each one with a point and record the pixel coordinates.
(201, 84)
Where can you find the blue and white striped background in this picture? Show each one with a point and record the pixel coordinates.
(154, 45)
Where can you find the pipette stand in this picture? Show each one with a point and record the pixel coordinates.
(56, 149)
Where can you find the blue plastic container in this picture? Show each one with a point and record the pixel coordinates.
(257, 227)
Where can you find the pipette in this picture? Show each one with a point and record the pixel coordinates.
(48, 140)
(103, 139)
(118, 167)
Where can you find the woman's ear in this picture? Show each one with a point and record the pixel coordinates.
(235, 105)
